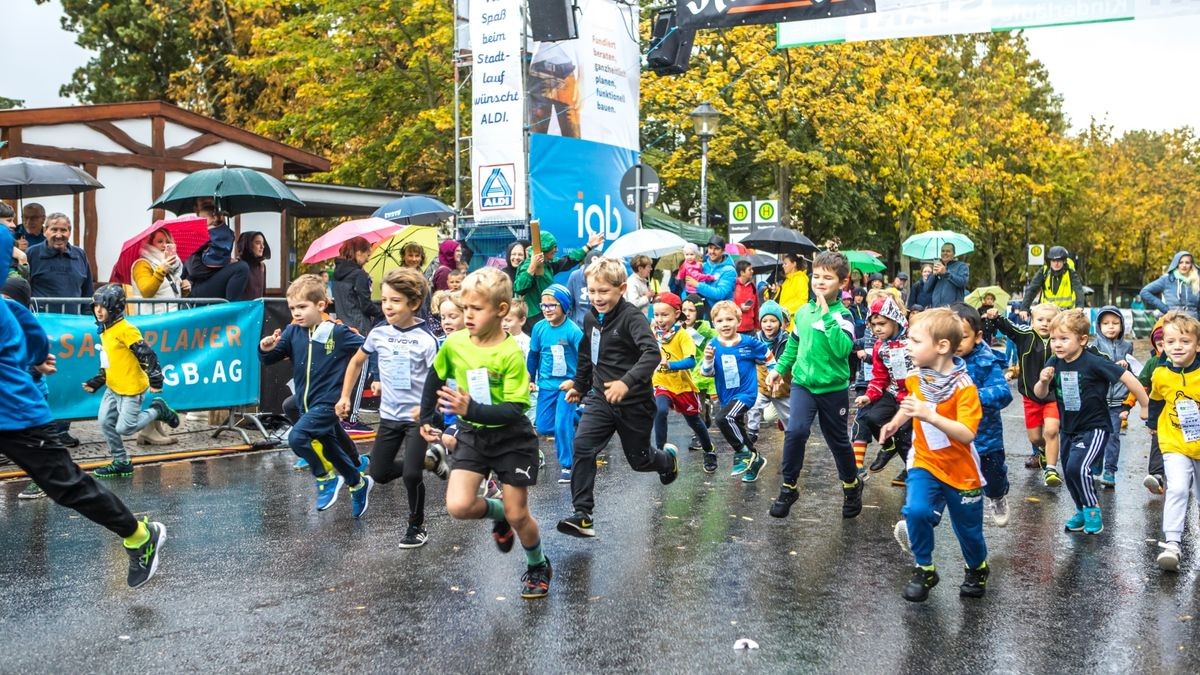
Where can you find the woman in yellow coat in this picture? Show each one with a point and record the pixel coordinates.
(793, 292)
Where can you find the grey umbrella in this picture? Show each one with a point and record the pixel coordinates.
(25, 178)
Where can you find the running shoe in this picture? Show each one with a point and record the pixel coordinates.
(535, 583)
(1108, 480)
(901, 478)
(920, 584)
(710, 462)
(1169, 557)
(143, 560)
(783, 503)
(578, 525)
(900, 534)
(165, 413)
(415, 537)
(327, 490)
(852, 499)
(884, 456)
(301, 463)
(741, 462)
(974, 583)
(1050, 477)
(1093, 523)
(360, 496)
(1154, 483)
(502, 534)
(115, 470)
(564, 476)
(756, 467)
(1075, 522)
(32, 491)
(435, 461)
(670, 476)
(999, 511)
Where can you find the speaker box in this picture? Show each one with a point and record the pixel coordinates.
(552, 20)
(670, 47)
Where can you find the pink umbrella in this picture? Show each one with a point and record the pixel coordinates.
(189, 233)
(373, 229)
(735, 249)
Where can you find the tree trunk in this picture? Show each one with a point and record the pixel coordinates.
(991, 257)
(783, 187)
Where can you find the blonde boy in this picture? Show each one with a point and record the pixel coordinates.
(617, 361)
(479, 375)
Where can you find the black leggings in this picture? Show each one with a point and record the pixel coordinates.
(391, 438)
(229, 282)
(662, 405)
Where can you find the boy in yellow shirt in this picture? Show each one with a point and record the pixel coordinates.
(128, 366)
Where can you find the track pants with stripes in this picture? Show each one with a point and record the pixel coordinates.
(732, 423)
(1076, 454)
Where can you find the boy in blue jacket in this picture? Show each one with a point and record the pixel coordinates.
(320, 350)
(30, 439)
(1111, 343)
(986, 368)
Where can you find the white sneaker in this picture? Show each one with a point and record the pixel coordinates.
(999, 508)
(1168, 559)
(900, 534)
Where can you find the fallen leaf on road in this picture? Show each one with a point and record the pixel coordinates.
(747, 643)
(1032, 499)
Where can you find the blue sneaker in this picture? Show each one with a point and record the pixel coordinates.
(360, 496)
(1075, 523)
(1092, 522)
(364, 461)
(1108, 480)
(300, 464)
(327, 490)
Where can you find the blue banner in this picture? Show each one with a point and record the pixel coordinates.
(575, 189)
(209, 357)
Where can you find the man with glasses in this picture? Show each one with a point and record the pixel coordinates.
(32, 229)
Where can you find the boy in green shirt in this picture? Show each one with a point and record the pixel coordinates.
(479, 375)
(822, 337)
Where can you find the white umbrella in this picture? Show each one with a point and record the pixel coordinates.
(652, 243)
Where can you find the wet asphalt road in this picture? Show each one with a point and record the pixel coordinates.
(254, 580)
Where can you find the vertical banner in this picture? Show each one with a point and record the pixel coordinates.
(583, 115)
(208, 355)
(498, 111)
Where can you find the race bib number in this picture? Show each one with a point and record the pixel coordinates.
(1189, 419)
(477, 385)
(1070, 391)
(403, 368)
(733, 379)
(595, 346)
(697, 338)
(558, 357)
(897, 363)
(104, 359)
(935, 438)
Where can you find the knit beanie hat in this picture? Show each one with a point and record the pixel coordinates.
(560, 294)
(774, 309)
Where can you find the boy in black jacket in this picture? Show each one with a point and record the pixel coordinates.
(617, 361)
(320, 350)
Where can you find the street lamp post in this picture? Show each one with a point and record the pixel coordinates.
(705, 118)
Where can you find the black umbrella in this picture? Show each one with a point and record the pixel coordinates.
(761, 262)
(780, 240)
(25, 178)
(414, 210)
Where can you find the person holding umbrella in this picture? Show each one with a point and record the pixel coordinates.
(949, 278)
(793, 292)
(211, 269)
(537, 271)
(32, 230)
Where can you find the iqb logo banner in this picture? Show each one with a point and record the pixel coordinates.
(496, 191)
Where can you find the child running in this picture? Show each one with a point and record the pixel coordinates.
(673, 385)
(731, 360)
(553, 356)
(817, 358)
(405, 347)
(772, 318)
(986, 368)
(943, 468)
(1155, 480)
(320, 350)
(1041, 414)
(701, 332)
(128, 367)
(890, 367)
(1111, 344)
(1175, 416)
(613, 379)
(1081, 380)
(479, 374)
(29, 438)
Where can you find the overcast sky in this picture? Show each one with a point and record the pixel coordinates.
(1134, 74)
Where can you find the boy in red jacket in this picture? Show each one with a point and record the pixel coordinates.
(745, 296)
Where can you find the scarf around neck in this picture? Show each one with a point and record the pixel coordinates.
(157, 258)
(937, 387)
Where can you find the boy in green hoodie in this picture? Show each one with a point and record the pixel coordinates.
(822, 337)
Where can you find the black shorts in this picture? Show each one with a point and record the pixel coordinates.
(511, 451)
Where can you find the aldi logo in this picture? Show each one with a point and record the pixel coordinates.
(497, 182)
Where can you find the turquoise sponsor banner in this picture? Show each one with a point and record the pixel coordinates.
(208, 355)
